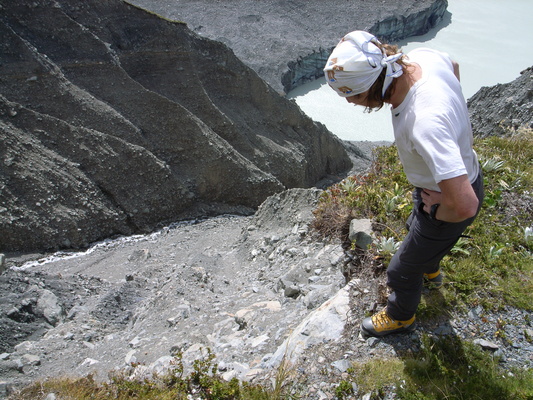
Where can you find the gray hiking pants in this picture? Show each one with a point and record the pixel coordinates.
(426, 243)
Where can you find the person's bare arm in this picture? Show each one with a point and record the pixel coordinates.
(457, 200)
(456, 70)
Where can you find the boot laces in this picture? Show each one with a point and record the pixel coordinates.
(382, 319)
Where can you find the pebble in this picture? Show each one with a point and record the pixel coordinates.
(31, 359)
(341, 365)
(130, 357)
(135, 342)
(444, 330)
(485, 344)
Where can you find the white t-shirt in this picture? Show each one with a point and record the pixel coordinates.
(431, 126)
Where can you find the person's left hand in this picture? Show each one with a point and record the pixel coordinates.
(457, 200)
(429, 198)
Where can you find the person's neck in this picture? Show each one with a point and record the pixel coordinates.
(403, 83)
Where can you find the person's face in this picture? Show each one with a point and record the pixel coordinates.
(360, 99)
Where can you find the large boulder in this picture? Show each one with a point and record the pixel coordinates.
(498, 109)
(114, 120)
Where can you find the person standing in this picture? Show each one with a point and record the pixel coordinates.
(434, 139)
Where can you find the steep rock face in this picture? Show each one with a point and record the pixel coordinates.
(414, 21)
(288, 42)
(496, 109)
(114, 120)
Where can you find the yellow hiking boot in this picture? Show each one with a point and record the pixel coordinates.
(433, 281)
(380, 324)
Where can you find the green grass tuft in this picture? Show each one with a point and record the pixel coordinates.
(445, 368)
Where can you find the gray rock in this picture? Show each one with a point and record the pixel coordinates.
(135, 342)
(318, 296)
(498, 109)
(292, 291)
(89, 362)
(48, 306)
(372, 341)
(31, 359)
(24, 347)
(183, 311)
(130, 357)
(162, 364)
(501, 355)
(2, 263)
(324, 324)
(296, 276)
(475, 313)
(11, 365)
(487, 345)
(222, 367)
(341, 365)
(443, 330)
(360, 232)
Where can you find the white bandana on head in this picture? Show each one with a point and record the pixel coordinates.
(356, 63)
